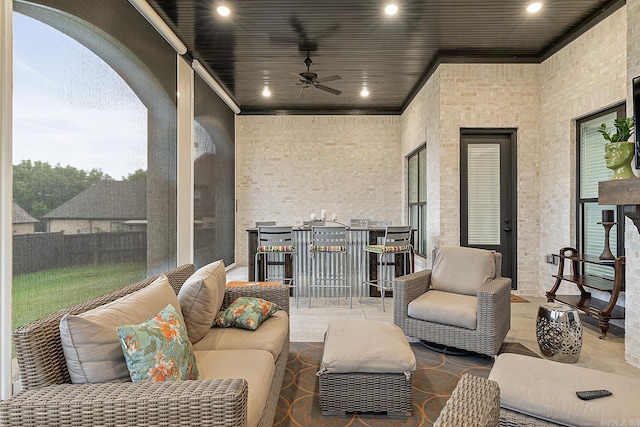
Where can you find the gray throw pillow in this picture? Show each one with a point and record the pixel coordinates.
(201, 297)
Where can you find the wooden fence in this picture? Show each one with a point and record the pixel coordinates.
(46, 251)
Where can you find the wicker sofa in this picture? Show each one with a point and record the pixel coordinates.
(49, 398)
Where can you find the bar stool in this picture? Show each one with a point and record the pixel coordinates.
(329, 260)
(396, 240)
(274, 244)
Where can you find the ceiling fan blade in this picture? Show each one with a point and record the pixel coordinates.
(328, 79)
(328, 89)
(302, 92)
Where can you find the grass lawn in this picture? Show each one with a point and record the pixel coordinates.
(37, 294)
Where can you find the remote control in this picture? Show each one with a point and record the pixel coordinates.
(592, 394)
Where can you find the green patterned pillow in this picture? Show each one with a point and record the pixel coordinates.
(158, 349)
(246, 313)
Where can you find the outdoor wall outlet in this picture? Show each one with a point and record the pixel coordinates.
(551, 259)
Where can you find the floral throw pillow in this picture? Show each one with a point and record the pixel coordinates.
(246, 313)
(158, 349)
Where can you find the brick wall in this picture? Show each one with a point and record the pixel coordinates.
(288, 167)
(420, 124)
(632, 236)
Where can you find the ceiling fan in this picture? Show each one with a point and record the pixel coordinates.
(307, 79)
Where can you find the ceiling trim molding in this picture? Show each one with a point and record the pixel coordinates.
(593, 20)
(471, 58)
(323, 112)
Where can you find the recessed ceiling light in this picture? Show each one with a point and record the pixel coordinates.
(364, 92)
(534, 7)
(266, 92)
(391, 9)
(223, 10)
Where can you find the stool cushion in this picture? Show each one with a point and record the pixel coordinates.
(462, 270)
(389, 249)
(336, 248)
(547, 390)
(283, 248)
(446, 308)
(359, 346)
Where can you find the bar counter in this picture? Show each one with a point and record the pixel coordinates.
(357, 239)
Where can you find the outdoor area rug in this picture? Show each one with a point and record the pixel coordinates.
(434, 380)
(516, 298)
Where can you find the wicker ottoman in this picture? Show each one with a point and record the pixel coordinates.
(366, 367)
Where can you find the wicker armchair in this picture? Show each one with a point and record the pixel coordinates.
(49, 399)
(462, 303)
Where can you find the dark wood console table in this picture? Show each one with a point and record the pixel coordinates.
(603, 310)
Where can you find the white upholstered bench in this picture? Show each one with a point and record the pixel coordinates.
(366, 367)
(539, 392)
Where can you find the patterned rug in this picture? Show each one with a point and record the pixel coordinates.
(516, 298)
(434, 380)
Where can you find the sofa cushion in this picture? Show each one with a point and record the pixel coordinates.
(90, 341)
(158, 349)
(255, 366)
(246, 313)
(200, 298)
(446, 308)
(462, 270)
(547, 390)
(270, 336)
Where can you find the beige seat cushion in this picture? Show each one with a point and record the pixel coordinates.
(547, 390)
(255, 366)
(90, 342)
(446, 308)
(200, 299)
(270, 336)
(462, 270)
(359, 346)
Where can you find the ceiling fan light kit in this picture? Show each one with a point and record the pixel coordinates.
(310, 79)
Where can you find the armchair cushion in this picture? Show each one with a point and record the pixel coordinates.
(200, 299)
(90, 341)
(462, 270)
(445, 307)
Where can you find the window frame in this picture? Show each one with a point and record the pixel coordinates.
(618, 234)
(421, 231)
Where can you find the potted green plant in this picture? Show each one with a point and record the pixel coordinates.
(618, 151)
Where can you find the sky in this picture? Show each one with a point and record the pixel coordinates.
(70, 107)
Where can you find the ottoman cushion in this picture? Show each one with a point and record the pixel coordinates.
(547, 390)
(359, 346)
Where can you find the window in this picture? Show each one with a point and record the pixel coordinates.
(417, 200)
(94, 139)
(591, 170)
(214, 177)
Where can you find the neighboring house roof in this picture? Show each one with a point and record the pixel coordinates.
(20, 216)
(106, 200)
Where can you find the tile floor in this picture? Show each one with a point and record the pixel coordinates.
(309, 325)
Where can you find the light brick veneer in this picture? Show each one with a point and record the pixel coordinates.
(288, 167)
(632, 236)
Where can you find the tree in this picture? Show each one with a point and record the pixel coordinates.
(39, 187)
(138, 174)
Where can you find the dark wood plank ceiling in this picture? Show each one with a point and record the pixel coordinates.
(263, 41)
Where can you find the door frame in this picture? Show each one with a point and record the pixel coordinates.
(511, 133)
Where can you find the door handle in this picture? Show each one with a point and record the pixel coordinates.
(507, 229)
